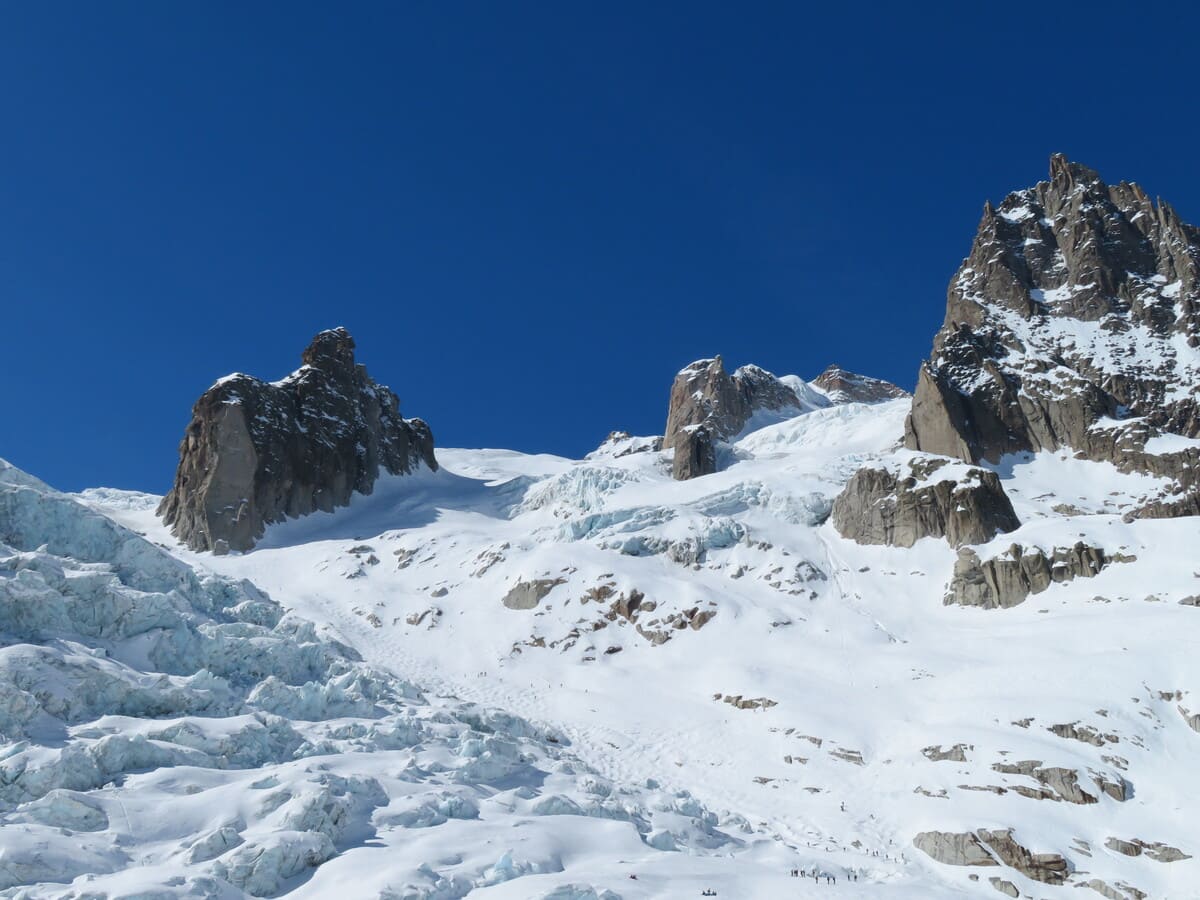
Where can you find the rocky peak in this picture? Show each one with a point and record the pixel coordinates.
(1073, 246)
(1074, 322)
(843, 386)
(331, 351)
(708, 406)
(259, 452)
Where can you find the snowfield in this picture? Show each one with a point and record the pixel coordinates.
(530, 677)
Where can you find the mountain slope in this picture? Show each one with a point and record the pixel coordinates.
(718, 635)
(927, 646)
(170, 732)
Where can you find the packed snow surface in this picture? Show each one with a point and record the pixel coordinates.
(532, 677)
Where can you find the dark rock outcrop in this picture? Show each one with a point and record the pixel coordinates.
(1073, 731)
(708, 406)
(900, 505)
(1006, 580)
(259, 452)
(1074, 323)
(841, 386)
(695, 452)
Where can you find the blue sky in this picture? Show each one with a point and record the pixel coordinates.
(530, 215)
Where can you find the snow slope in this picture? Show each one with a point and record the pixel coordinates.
(170, 732)
(717, 636)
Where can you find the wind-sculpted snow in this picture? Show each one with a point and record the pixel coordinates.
(168, 734)
(846, 429)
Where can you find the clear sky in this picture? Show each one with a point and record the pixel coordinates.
(529, 215)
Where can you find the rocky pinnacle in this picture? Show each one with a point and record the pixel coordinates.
(259, 452)
(708, 405)
(1073, 323)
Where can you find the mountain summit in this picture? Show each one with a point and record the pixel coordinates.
(708, 406)
(258, 452)
(1073, 323)
(841, 386)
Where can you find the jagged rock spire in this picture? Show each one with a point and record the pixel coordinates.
(332, 350)
(708, 405)
(1077, 309)
(258, 452)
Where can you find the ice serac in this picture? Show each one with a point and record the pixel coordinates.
(1074, 323)
(708, 406)
(259, 452)
(842, 386)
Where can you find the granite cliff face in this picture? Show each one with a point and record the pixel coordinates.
(992, 848)
(1006, 580)
(1074, 323)
(708, 405)
(259, 452)
(923, 497)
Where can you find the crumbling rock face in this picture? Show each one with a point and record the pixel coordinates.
(957, 753)
(740, 702)
(1127, 848)
(1057, 782)
(695, 452)
(841, 386)
(1156, 850)
(991, 848)
(1006, 580)
(708, 405)
(924, 497)
(660, 630)
(1074, 323)
(259, 452)
(1073, 731)
(1048, 868)
(954, 849)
